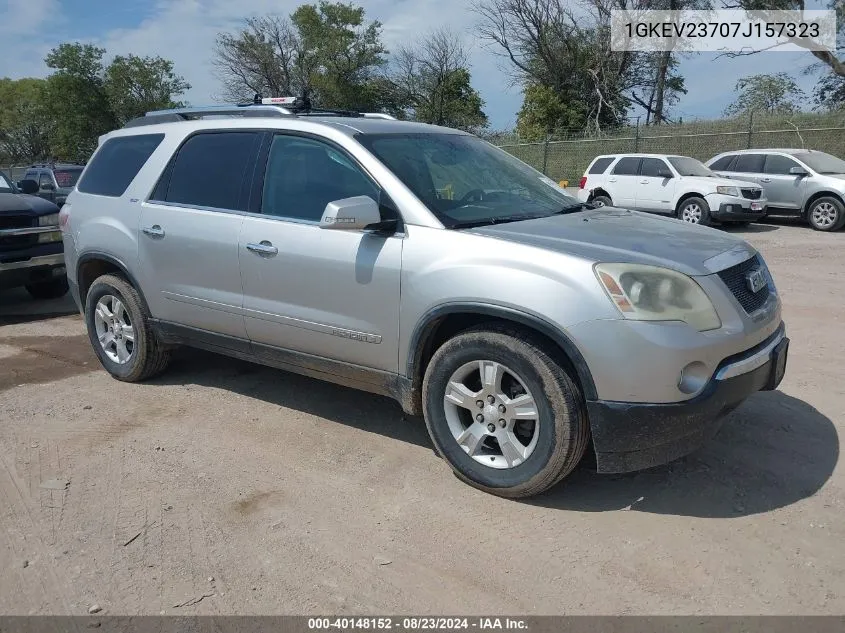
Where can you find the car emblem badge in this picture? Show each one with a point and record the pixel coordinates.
(755, 280)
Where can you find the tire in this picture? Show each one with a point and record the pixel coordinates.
(146, 355)
(52, 289)
(696, 209)
(826, 214)
(602, 201)
(561, 428)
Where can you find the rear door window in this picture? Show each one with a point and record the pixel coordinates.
(749, 163)
(628, 166)
(116, 164)
(723, 164)
(600, 165)
(210, 170)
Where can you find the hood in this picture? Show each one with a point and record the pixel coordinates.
(21, 202)
(618, 235)
(718, 181)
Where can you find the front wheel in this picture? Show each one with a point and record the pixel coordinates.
(695, 211)
(505, 415)
(601, 201)
(826, 214)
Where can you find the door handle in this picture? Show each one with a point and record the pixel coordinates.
(644, 182)
(153, 231)
(263, 248)
(765, 180)
(611, 179)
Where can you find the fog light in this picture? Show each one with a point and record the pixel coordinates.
(693, 377)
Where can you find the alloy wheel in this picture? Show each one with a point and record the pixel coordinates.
(114, 329)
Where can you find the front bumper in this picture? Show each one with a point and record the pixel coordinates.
(629, 436)
(738, 209)
(33, 270)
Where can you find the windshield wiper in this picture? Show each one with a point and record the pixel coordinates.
(468, 224)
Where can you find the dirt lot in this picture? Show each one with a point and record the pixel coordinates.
(225, 487)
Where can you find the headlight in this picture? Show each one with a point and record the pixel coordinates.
(728, 191)
(651, 293)
(52, 236)
(49, 220)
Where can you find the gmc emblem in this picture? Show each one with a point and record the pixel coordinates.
(755, 280)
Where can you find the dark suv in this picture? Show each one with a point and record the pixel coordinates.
(31, 251)
(55, 180)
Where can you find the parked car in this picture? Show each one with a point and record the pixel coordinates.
(30, 242)
(671, 185)
(799, 182)
(525, 326)
(55, 180)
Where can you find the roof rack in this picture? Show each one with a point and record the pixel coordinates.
(275, 107)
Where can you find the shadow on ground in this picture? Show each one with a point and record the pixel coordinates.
(771, 452)
(17, 306)
(751, 229)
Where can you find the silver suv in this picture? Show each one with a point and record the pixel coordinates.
(421, 263)
(800, 182)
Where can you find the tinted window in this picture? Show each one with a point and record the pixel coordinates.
(653, 167)
(44, 179)
(723, 163)
(749, 163)
(778, 164)
(600, 165)
(304, 175)
(627, 166)
(209, 170)
(117, 163)
(66, 177)
(31, 175)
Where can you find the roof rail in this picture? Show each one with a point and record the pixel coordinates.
(186, 114)
(377, 115)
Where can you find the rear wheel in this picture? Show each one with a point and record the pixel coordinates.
(52, 289)
(120, 332)
(826, 214)
(504, 414)
(601, 201)
(695, 211)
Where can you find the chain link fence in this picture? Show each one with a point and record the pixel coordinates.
(566, 157)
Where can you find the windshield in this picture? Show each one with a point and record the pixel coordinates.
(822, 163)
(66, 178)
(5, 185)
(466, 181)
(689, 166)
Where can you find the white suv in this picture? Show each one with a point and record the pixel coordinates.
(672, 185)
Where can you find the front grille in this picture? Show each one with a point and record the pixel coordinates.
(735, 279)
(17, 222)
(752, 194)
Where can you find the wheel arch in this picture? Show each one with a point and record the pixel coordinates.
(93, 264)
(820, 194)
(599, 191)
(445, 321)
(686, 196)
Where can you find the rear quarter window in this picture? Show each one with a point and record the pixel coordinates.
(600, 165)
(116, 164)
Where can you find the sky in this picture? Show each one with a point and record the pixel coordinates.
(184, 31)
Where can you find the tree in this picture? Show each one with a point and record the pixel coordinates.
(136, 85)
(76, 100)
(771, 94)
(24, 128)
(327, 50)
(431, 83)
(829, 93)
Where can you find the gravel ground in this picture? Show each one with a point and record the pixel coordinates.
(228, 488)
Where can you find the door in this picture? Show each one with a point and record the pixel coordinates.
(622, 182)
(655, 189)
(328, 293)
(188, 240)
(46, 186)
(783, 190)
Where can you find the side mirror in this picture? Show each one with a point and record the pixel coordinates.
(350, 214)
(798, 171)
(28, 186)
(48, 186)
(665, 173)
